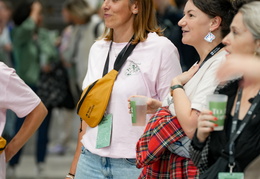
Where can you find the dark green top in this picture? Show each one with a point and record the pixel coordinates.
(31, 50)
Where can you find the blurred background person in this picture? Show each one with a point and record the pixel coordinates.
(5, 37)
(34, 51)
(76, 40)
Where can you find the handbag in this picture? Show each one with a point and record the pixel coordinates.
(52, 86)
(94, 98)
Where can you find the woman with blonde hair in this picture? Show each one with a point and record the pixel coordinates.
(147, 71)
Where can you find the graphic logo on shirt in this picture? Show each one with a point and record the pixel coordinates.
(132, 69)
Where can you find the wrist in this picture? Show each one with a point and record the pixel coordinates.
(175, 81)
(70, 175)
(174, 87)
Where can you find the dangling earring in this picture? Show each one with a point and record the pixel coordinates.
(209, 37)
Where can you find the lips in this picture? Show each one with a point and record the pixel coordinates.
(106, 15)
(228, 51)
(185, 31)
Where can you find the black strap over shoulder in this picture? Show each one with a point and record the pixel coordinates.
(121, 58)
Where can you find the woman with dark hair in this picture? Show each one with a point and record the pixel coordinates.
(162, 151)
(227, 153)
(147, 71)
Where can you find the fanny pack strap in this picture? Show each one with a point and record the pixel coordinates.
(121, 58)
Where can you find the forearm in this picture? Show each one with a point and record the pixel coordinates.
(73, 166)
(186, 116)
(29, 127)
(199, 153)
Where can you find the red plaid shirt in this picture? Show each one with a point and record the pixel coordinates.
(153, 156)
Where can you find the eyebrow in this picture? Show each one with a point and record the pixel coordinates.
(188, 11)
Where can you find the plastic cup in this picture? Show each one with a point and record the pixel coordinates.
(217, 103)
(138, 110)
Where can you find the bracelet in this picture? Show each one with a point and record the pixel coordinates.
(175, 87)
(71, 176)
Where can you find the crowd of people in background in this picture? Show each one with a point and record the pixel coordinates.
(184, 50)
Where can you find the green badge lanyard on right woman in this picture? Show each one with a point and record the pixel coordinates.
(235, 133)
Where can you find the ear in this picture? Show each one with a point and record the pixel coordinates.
(257, 42)
(215, 23)
(257, 47)
(134, 8)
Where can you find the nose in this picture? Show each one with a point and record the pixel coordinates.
(105, 5)
(182, 22)
(226, 40)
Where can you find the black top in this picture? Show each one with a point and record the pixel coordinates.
(247, 145)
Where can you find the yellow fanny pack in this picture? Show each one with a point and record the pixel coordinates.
(2, 144)
(95, 98)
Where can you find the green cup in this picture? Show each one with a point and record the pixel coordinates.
(217, 103)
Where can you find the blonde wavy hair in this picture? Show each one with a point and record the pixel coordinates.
(144, 22)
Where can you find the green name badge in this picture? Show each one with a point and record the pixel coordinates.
(104, 132)
(227, 175)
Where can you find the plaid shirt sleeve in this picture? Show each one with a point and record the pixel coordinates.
(162, 130)
(199, 153)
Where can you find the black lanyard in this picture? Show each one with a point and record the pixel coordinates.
(212, 53)
(236, 132)
(123, 54)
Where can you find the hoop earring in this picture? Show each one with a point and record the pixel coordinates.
(209, 37)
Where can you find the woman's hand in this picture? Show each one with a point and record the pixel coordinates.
(36, 7)
(237, 65)
(35, 14)
(152, 104)
(183, 78)
(205, 125)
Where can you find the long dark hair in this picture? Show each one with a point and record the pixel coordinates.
(221, 8)
(22, 11)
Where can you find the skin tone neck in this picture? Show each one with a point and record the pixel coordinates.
(205, 47)
(123, 34)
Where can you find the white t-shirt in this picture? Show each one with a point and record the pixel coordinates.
(15, 95)
(148, 71)
(203, 83)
